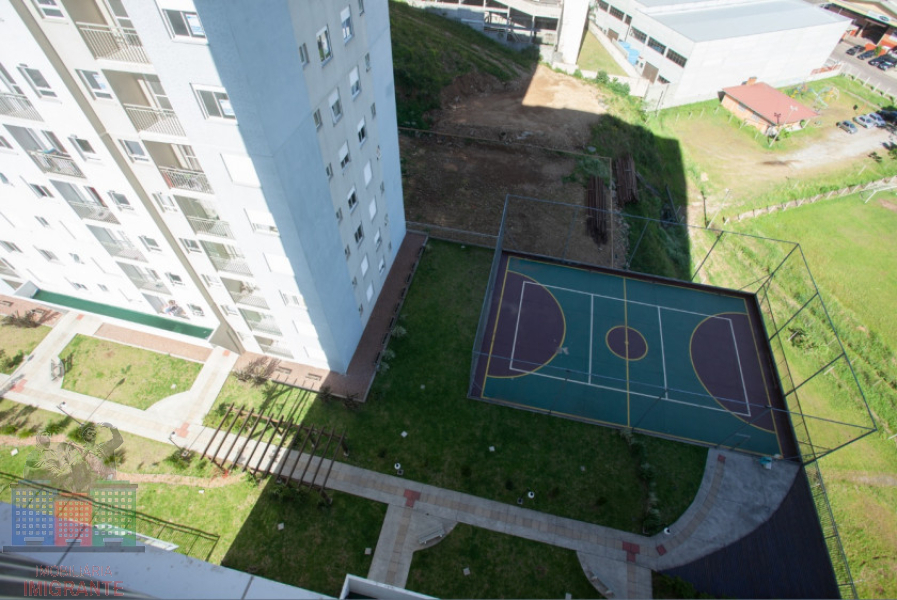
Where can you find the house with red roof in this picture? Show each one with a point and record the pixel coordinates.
(765, 108)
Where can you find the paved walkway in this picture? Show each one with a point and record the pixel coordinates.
(735, 496)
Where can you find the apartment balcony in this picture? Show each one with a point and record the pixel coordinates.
(214, 227)
(94, 212)
(123, 250)
(249, 299)
(154, 120)
(231, 264)
(150, 285)
(59, 164)
(275, 348)
(17, 105)
(265, 325)
(114, 43)
(183, 179)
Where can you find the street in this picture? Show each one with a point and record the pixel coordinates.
(882, 80)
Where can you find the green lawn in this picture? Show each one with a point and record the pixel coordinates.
(536, 571)
(848, 246)
(274, 400)
(124, 374)
(594, 57)
(19, 339)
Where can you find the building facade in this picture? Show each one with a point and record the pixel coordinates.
(699, 47)
(230, 165)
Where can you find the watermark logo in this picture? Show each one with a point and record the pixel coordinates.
(69, 498)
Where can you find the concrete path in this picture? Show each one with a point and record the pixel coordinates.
(736, 493)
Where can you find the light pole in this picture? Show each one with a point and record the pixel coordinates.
(184, 451)
(61, 407)
(778, 116)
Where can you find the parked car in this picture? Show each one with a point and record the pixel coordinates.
(890, 116)
(875, 61)
(886, 65)
(867, 54)
(864, 121)
(876, 119)
(853, 50)
(847, 126)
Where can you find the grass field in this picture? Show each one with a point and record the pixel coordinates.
(539, 571)
(594, 57)
(19, 339)
(123, 374)
(848, 246)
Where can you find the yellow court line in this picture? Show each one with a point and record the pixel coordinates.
(701, 381)
(612, 351)
(501, 297)
(771, 374)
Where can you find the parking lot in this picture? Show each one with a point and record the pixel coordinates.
(882, 80)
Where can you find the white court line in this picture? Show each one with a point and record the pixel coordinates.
(663, 355)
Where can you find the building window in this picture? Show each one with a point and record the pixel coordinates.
(324, 49)
(210, 281)
(362, 133)
(373, 110)
(48, 255)
(96, 84)
(344, 158)
(639, 35)
(229, 310)
(616, 13)
(84, 148)
(135, 151)
(174, 279)
(37, 81)
(102, 287)
(184, 24)
(628, 19)
(165, 202)
(40, 191)
(662, 79)
(291, 299)
(191, 245)
(4, 143)
(382, 265)
(656, 46)
(352, 200)
(78, 286)
(346, 20)
(378, 239)
(676, 57)
(354, 83)
(369, 293)
(339, 215)
(49, 9)
(367, 61)
(361, 7)
(347, 252)
(215, 104)
(3, 179)
(372, 209)
(317, 118)
(336, 107)
(76, 259)
(303, 54)
(121, 201)
(43, 222)
(10, 247)
(368, 173)
(328, 170)
(197, 311)
(359, 234)
(151, 244)
(603, 5)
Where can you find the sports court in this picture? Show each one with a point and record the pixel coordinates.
(674, 359)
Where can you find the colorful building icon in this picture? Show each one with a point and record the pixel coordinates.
(114, 512)
(34, 510)
(74, 514)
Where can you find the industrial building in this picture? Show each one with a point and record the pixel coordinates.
(219, 170)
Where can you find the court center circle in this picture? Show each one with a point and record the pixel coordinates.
(627, 343)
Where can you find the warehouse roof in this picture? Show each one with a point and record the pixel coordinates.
(702, 21)
(771, 104)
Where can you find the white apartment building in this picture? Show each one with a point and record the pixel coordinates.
(228, 169)
(701, 46)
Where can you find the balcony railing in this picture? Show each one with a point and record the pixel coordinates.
(17, 105)
(264, 326)
(94, 212)
(7, 271)
(276, 349)
(210, 226)
(154, 120)
(150, 285)
(231, 264)
(249, 299)
(182, 179)
(114, 43)
(123, 250)
(56, 163)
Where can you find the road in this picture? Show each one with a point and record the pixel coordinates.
(883, 80)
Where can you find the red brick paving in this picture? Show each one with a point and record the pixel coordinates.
(12, 304)
(358, 378)
(153, 342)
(411, 497)
(661, 550)
(721, 458)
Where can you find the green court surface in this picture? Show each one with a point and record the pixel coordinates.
(678, 360)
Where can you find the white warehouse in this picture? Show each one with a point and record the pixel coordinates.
(230, 166)
(701, 46)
